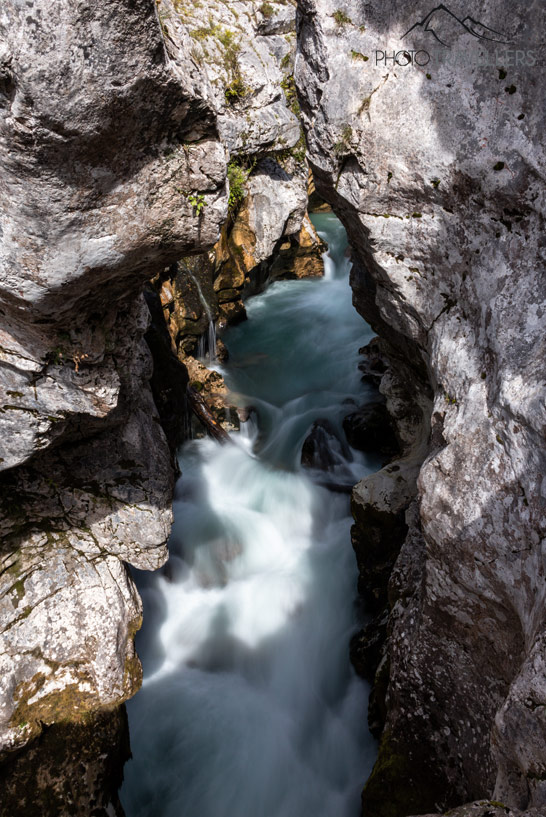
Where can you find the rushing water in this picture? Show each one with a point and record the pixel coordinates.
(207, 343)
(249, 706)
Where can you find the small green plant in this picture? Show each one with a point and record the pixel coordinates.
(197, 201)
(365, 106)
(267, 10)
(289, 87)
(341, 19)
(55, 356)
(237, 178)
(300, 148)
(357, 55)
(297, 152)
(229, 40)
(212, 30)
(342, 146)
(235, 90)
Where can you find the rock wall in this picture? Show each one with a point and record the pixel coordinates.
(437, 173)
(104, 142)
(118, 127)
(246, 50)
(128, 132)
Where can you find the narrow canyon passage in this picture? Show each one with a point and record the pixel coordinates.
(249, 704)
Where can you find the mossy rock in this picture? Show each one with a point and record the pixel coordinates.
(226, 295)
(70, 769)
(401, 784)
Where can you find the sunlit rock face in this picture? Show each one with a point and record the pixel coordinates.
(102, 143)
(116, 125)
(246, 51)
(437, 172)
(106, 144)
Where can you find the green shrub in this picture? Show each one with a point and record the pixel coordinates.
(237, 178)
(341, 18)
(267, 10)
(235, 90)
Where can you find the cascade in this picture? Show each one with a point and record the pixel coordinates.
(250, 705)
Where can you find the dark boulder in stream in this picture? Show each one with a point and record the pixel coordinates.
(370, 428)
(322, 448)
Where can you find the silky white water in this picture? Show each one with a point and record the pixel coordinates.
(207, 343)
(250, 707)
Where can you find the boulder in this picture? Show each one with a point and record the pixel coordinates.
(322, 448)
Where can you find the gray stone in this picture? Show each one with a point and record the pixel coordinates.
(243, 68)
(111, 170)
(278, 203)
(436, 174)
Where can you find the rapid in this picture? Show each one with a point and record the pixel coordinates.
(250, 707)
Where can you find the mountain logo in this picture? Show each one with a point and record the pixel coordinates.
(445, 26)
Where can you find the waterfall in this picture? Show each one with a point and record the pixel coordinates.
(206, 348)
(250, 706)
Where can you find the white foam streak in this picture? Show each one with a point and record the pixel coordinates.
(250, 707)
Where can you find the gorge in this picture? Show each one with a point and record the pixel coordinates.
(159, 162)
(248, 702)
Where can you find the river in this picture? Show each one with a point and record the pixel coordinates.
(250, 707)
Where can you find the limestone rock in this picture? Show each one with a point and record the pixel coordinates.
(66, 612)
(300, 256)
(111, 171)
(436, 174)
(240, 50)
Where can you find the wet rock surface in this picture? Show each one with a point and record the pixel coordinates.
(489, 808)
(370, 429)
(70, 770)
(322, 448)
